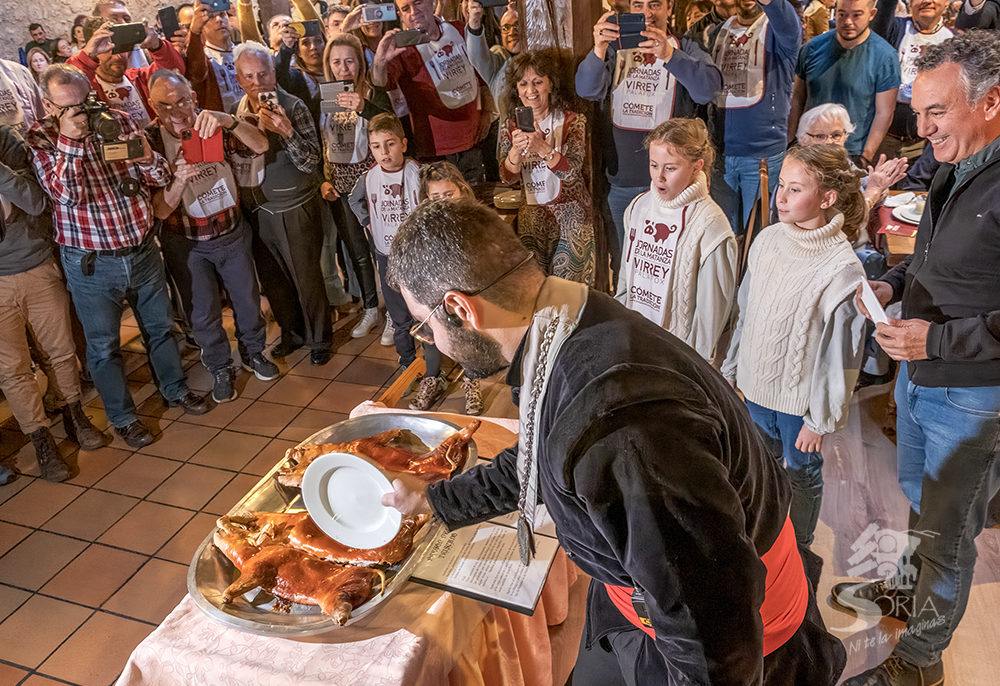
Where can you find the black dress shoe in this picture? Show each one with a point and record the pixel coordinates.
(873, 598)
(285, 348)
(320, 357)
(190, 403)
(896, 671)
(135, 435)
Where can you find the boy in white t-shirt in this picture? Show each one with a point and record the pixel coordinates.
(381, 199)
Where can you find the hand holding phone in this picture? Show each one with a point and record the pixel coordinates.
(167, 17)
(373, 14)
(630, 28)
(306, 28)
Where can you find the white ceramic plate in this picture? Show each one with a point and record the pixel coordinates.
(508, 200)
(907, 213)
(900, 200)
(343, 494)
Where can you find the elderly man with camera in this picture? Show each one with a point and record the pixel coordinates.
(100, 186)
(205, 238)
(288, 208)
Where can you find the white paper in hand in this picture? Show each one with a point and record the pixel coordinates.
(875, 310)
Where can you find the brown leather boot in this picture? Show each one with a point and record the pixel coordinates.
(51, 463)
(80, 430)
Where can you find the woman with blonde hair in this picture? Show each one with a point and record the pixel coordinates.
(38, 61)
(346, 158)
(679, 258)
(797, 347)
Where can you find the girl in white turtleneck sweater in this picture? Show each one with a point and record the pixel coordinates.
(798, 343)
(679, 259)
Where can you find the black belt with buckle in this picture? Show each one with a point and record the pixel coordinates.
(87, 262)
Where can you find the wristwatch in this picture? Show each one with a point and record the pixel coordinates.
(232, 127)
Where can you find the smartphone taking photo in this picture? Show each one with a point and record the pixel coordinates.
(525, 119)
(411, 37)
(126, 36)
(167, 17)
(630, 28)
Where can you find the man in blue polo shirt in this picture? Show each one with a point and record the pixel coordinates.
(853, 67)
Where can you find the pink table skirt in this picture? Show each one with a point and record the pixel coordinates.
(420, 637)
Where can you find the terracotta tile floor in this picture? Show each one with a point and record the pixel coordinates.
(88, 568)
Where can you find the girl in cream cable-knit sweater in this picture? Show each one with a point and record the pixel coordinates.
(797, 347)
(679, 259)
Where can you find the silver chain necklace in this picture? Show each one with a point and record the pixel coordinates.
(525, 535)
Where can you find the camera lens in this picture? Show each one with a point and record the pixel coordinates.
(105, 126)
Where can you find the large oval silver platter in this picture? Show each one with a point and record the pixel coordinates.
(211, 572)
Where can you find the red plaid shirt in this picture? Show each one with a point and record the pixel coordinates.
(88, 208)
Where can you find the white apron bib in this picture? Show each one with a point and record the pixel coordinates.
(911, 47)
(213, 190)
(125, 96)
(739, 54)
(225, 76)
(451, 71)
(248, 170)
(643, 91)
(651, 250)
(541, 185)
(345, 137)
(391, 196)
(11, 109)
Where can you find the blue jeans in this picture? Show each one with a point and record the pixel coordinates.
(99, 299)
(948, 442)
(198, 266)
(805, 470)
(736, 189)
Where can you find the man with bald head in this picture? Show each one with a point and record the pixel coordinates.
(205, 238)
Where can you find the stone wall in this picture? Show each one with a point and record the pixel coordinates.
(57, 18)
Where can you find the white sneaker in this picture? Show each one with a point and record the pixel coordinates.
(367, 323)
(388, 332)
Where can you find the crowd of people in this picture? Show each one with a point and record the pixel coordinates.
(337, 164)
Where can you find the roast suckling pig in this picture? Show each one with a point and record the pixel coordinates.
(295, 576)
(439, 463)
(289, 556)
(299, 531)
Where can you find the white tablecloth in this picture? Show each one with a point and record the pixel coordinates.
(420, 637)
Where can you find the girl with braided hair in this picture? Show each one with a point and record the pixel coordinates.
(797, 347)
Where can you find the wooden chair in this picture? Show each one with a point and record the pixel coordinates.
(395, 392)
(761, 209)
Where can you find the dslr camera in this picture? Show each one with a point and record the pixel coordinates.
(107, 128)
